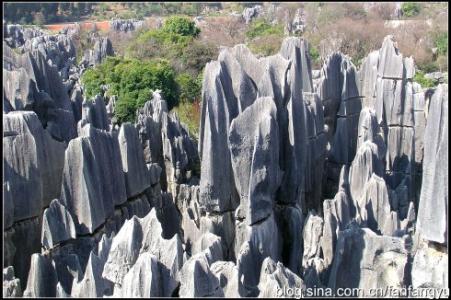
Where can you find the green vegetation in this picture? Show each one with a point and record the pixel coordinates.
(314, 54)
(264, 38)
(260, 28)
(189, 114)
(410, 9)
(441, 42)
(180, 25)
(170, 59)
(189, 87)
(423, 81)
(133, 81)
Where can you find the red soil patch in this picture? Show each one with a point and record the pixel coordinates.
(101, 25)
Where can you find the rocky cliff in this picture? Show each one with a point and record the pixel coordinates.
(335, 182)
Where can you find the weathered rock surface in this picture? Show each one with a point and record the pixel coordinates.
(274, 277)
(197, 267)
(125, 25)
(11, 285)
(33, 164)
(136, 174)
(433, 206)
(57, 225)
(429, 267)
(306, 180)
(92, 172)
(255, 161)
(366, 260)
(101, 49)
(42, 278)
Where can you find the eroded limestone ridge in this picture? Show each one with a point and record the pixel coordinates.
(335, 182)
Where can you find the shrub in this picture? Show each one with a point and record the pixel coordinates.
(314, 54)
(262, 28)
(266, 45)
(189, 114)
(132, 81)
(410, 9)
(197, 54)
(189, 88)
(181, 25)
(422, 80)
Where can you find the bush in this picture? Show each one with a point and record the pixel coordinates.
(422, 80)
(427, 66)
(197, 54)
(266, 45)
(314, 54)
(262, 28)
(189, 88)
(189, 114)
(132, 81)
(410, 9)
(158, 43)
(181, 25)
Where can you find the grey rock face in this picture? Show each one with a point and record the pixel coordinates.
(144, 279)
(227, 274)
(274, 277)
(217, 191)
(133, 165)
(429, 267)
(124, 251)
(339, 93)
(57, 225)
(179, 151)
(432, 211)
(92, 172)
(125, 25)
(94, 112)
(386, 84)
(312, 232)
(101, 49)
(11, 285)
(365, 163)
(255, 161)
(38, 87)
(197, 280)
(92, 283)
(168, 251)
(251, 12)
(255, 243)
(366, 260)
(42, 277)
(33, 164)
(374, 207)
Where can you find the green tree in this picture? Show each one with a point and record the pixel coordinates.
(181, 25)
(189, 88)
(133, 81)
